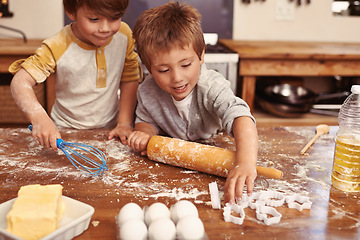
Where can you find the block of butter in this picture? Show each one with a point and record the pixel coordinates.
(36, 212)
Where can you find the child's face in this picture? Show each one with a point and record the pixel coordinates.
(177, 71)
(92, 28)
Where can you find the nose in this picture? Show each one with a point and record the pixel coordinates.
(176, 75)
(104, 26)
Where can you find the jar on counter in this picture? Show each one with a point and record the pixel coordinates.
(346, 167)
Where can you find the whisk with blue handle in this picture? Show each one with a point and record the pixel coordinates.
(83, 161)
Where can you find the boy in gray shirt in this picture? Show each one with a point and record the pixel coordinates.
(185, 100)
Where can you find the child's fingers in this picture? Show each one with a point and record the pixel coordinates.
(111, 134)
(239, 188)
(230, 190)
(53, 144)
(250, 186)
(123, 139)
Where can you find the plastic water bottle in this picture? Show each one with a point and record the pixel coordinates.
(346, 169)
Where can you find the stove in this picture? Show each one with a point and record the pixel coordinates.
(224, 61)
(221, 59)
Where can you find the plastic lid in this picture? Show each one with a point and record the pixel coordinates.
(355, 89)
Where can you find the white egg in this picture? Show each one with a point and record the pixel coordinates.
(130, 211)
(134, 229)
(155, 211)
(162, 229)
(182, 209)
(190, 227)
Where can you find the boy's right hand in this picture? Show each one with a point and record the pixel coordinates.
(45, 133)
(138, 141)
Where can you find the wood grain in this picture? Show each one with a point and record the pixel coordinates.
(134, 178)
(268, 58)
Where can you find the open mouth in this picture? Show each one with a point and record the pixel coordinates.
(181, 88)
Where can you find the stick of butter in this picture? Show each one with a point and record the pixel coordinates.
(36, 212)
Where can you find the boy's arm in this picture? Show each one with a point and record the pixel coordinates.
(44, 129)
(244, 171)
(127, 105)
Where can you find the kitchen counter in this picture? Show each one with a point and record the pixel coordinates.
(133, 178)
(301, 59)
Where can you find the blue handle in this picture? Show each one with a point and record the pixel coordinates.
(59, 141)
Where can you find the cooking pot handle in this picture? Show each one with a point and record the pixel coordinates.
(331, 96)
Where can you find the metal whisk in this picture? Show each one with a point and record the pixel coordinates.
(83, 161)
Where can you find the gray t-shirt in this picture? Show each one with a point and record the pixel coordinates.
(214, 107)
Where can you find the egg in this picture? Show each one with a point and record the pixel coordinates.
(133, 229)
(155, 211)
(190, 228)
(182, 209)
(130, 211)
(162, 229)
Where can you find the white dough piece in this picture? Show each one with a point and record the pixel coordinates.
(155, 211)
(134, 229)
(214, 195)
(162, 229)
(130, 211)
(190, 228)
(182, 209)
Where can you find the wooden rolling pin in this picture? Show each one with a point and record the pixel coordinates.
(199, 157)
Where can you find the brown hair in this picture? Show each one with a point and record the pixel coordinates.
(108, 8)
(167, 26)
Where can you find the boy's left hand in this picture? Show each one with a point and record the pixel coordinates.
(122, 131)
(138, 141)
(240, 175)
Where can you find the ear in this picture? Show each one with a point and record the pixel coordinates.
(202, 57)
(71, 16)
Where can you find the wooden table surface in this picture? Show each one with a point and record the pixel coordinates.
(132, 178)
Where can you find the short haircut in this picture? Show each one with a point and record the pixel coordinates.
(165, 27)
(107, 8)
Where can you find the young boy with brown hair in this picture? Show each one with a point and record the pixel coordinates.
(185, 100)
(92, 57)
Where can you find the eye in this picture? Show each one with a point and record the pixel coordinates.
(186, 65)
(93, 19)
(163, 71)
(115, 18)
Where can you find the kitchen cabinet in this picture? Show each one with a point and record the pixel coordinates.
(276, 58)
(10, 51)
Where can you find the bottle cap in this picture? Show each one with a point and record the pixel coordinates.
(355, 89)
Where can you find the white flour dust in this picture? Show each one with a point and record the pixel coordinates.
(124, 174)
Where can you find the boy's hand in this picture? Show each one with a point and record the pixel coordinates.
(138, 141)
(122, 131)
(45, 133)
(239, 176)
